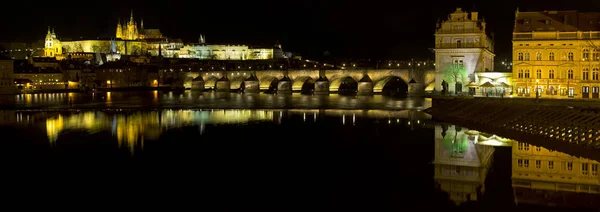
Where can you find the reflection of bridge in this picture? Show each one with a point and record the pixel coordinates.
(414, 81)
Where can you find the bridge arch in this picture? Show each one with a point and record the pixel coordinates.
(391, 86)
(268, 83)
(236, 83)
(344, 84)
(211, 82)
(303, 84)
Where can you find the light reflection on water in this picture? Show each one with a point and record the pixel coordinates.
(192, 99)
(132, 128)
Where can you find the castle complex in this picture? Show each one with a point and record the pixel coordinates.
(133, 39)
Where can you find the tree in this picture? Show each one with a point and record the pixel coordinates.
(456, 74)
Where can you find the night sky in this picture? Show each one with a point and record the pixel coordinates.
(350, 28)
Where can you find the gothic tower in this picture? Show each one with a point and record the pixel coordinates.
(119, 29)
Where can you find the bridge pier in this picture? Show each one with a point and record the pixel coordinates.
(365, 86)
(223, 84)
(321, 86)
(284, 86)
(416, 89)
(198, 84)
(251, 85)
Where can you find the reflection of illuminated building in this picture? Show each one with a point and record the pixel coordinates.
(132, 129)
(539, 174)
(460, 165)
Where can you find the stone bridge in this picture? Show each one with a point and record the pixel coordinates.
(362, 81)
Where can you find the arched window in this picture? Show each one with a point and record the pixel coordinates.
(586, 54)
(551, 56)
(527, 73)
(538, 56)
(595, 74)
(520, 73)
(595, 55)
(520, 56)
(538, 74)
(586, 74)
(570, 74)
(570, 56)
(526, 56)
(551, 74)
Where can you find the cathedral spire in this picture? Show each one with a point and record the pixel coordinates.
(49, 30)
(131, 17)
(142, 24)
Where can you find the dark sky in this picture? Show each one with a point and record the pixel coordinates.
(350, 28)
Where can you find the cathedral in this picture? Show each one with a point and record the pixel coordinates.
(130, 31)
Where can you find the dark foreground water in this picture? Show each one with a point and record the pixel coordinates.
(278, 160)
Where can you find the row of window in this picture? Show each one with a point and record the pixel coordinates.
(585, 74)
(524, 56)
(585, 167)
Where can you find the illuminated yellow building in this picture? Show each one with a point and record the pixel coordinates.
(103, 46)
(52, 46)
(462, 49)
(537, 168)
(555, 54)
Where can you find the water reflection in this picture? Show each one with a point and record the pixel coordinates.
(216, 100)
(132, 128)
(461, 165)
(549, 177)
(465, 162)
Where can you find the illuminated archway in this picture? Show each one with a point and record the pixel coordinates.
(344, 85)
(211, 82)
(268, 83)
(391, 86)
(304, 84)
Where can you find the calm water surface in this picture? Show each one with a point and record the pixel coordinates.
(279, 160)
(192, 99)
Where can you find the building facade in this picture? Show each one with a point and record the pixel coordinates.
(7, 76)
(462, 49)
(556, 54)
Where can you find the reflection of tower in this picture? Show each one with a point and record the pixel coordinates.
(460, 165)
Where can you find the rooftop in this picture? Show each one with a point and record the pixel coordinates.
(562, 21)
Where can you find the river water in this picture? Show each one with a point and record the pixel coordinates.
(329, 154)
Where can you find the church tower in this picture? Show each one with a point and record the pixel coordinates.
(119, 29)
(52, 47)
(462, 48)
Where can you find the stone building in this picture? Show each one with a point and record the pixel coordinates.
(556, 54)
(7, 85)
(462, 49)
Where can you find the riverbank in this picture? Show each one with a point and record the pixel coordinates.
(554, 124)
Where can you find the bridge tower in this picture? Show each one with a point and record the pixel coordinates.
(462, 48)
